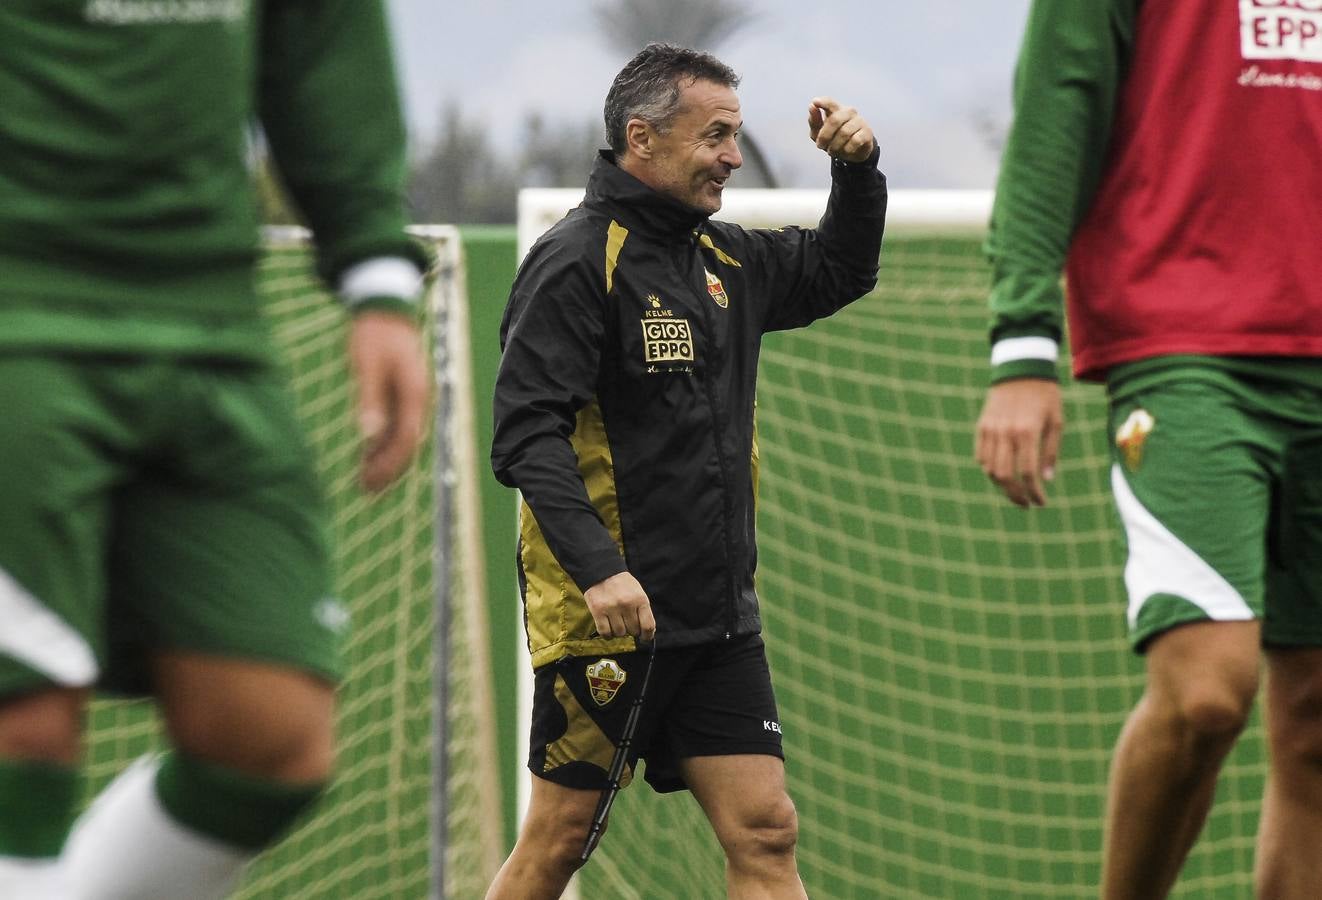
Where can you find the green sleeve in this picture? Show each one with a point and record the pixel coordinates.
(329, 106)
(1071, 66)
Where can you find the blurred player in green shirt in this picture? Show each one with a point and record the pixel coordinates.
(1165, 156)
(161, 528)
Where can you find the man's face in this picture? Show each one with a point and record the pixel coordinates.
(693, 159)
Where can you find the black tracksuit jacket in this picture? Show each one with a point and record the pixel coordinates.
(624, 404)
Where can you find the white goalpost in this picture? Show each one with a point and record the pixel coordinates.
(950, 211)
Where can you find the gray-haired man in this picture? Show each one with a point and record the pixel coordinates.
(624, 413)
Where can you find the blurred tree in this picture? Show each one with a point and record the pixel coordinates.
(699, 24)
(463, 179)
(558, 155)
(629, 25)
(992, 129)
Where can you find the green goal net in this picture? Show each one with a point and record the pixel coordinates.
(404, 814)
(952, 671)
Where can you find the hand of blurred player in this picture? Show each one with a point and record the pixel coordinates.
(840, 130)
(1018, 437)
(620, 607)
(394, 393)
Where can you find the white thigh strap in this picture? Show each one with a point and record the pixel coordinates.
(37, 637)
(1160, 563)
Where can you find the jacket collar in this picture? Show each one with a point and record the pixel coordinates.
(637, 206)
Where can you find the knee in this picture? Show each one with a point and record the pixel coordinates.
(296, 748)
(566, 843)
(1213, 713)
(44, 726)
(294, 753)
(764, 835)
(1294, 729)
(1203, 679)
(554, 844)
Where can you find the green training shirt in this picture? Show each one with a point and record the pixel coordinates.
(127, 217)
(1100, 96)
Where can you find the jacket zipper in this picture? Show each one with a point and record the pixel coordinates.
(726, 502)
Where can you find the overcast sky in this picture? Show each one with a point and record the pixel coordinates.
(924, 73)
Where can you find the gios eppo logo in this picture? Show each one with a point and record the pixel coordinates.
(1281, 29)
(667, 341)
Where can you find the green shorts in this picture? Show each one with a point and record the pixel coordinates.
(151, 503)
(1217, 478)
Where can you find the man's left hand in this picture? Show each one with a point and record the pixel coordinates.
(840, 130)
(394, 391)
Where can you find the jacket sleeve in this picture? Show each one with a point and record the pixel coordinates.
(551, 350)
(1071, 67)
(808, 273)
(329, 106)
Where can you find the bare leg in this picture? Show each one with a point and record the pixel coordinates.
(265, 720)
(43, 726)
(256, 744)
(744, 797)
(1291, 827)
(547, 852)
(1201, 681)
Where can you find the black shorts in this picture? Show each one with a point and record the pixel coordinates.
(709, 700)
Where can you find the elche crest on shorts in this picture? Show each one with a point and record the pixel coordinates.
(605, 678)
(1132, 435)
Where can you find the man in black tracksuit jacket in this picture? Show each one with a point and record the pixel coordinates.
(624, 412)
